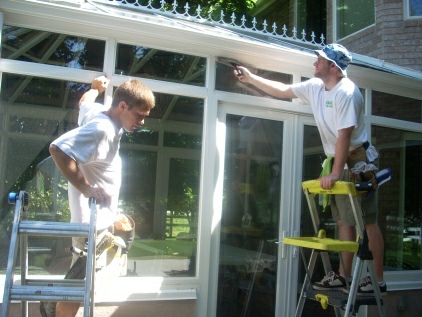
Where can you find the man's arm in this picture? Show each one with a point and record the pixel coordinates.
(274, 88)
(340, 158)
(70, 170)
(98, 85)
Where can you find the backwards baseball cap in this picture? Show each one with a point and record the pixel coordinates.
(337, 54)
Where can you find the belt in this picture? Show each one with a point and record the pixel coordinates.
(366, 145)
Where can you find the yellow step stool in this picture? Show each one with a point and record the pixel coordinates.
(321, 245)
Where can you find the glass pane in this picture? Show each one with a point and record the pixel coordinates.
(415, 7)
(400, 201)
(151, 63)
(177, 108)
(226, 81)
(52, 48)
(249, 225)
(38, 91)
(182, 140)
(311, 17)
(165, 243)
(396, 107)
(354, 15)
(144, 136)
(21, 124)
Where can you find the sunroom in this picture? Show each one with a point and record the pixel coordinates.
(213, 179)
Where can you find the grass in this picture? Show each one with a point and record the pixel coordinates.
(168, 247)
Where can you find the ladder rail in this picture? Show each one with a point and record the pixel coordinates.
(24, 269)
(11, 260)
(91, 261)
(47, 289)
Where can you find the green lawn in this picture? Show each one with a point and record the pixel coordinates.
(168, 247)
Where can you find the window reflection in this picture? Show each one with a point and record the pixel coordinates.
(50, 48)
(396, 107)
(250, 217)
(144, 62)
(400, 202)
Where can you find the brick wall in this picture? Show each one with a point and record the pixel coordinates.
(392, 38)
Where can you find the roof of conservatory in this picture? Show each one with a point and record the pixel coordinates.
(237, 27)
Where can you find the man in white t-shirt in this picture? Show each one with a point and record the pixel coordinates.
(337, 105)
(88, 156)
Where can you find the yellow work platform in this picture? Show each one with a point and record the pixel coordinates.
(339, 188)
(324, 244)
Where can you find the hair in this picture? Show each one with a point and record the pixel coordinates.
(135, 94)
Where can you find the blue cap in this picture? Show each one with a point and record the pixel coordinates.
(337, 54)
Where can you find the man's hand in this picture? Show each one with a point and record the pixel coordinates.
(245, 74)
(271, 87)
(100, 84)
(101, 196)
(327, 181)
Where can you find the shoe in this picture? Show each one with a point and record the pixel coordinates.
(332, 281)
(365, 288)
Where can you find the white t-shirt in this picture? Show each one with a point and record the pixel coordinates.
(336, 109)
(95, 147)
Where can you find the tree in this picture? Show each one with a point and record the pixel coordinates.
(212, 7)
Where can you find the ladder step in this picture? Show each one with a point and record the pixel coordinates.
(47, 293)
(339, 298)
(55, 282)
(47, 228)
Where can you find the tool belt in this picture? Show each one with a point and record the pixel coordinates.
(124, 227)
(358, 173)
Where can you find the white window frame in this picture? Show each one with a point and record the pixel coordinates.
(406, 11)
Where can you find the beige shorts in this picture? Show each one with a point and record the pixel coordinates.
(341, 208)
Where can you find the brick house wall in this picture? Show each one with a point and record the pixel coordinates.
(392, 38)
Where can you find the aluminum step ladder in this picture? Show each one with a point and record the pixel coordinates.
(321, 245)
(46, 290)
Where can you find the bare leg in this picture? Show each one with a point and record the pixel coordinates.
(347, 233)
(67, 309)
(376, 245)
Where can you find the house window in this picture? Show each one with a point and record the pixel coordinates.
(311, 17)
(413, 8)
(353, 16)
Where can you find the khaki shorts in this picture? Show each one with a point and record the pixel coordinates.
(341, 208)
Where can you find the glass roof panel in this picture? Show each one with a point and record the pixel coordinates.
(50, 48)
